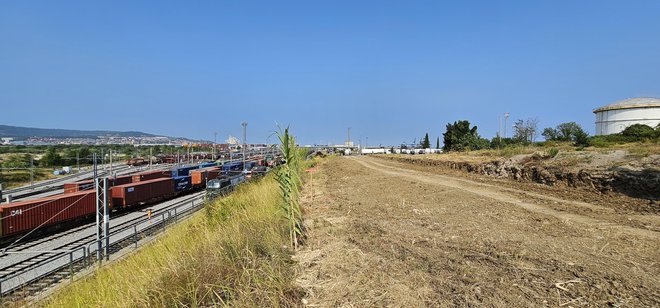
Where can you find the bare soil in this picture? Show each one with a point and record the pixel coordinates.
(385, 233)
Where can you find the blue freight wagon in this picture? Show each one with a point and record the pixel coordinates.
(182, 183)
(235, 166)
(250, 164)
(206, 165)
(183, 171)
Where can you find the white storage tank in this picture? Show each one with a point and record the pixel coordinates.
(614, 118)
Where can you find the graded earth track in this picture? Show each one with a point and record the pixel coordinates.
(382, 233)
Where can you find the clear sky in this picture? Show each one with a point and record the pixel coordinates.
(390, 70)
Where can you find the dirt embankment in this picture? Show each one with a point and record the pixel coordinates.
(604, 173)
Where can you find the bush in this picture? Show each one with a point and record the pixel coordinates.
(639, 131)
(553, 152)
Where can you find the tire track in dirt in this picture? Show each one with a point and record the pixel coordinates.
(494, 192)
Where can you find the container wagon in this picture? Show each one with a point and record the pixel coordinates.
(182, 183)
(78, 186)
(234, 166)
(201, 176)
(121, 180)
(182, 171)
(150, 175)
(23, 216)
(142, 192)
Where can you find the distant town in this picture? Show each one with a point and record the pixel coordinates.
(99, 140)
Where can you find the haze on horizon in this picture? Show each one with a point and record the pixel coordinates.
(389, 70)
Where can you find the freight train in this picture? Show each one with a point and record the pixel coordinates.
(78, 202)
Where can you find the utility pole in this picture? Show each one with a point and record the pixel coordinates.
(31, 170)
(215, 141)
(506, 118)
(78, 160)
(99, 195)
(106, 219)
(244, 142)
(348, 137)
(111, 162)
(499, 132)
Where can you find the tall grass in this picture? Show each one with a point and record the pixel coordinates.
(232, 254)
(289, 178)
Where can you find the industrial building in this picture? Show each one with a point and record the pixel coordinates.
(615, 117)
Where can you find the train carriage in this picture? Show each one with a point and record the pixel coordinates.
(23, 216)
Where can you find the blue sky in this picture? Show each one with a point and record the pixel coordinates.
(390, 70)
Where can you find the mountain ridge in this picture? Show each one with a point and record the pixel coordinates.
(20, 132)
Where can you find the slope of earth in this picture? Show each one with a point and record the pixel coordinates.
(606, 172)
(381, 233)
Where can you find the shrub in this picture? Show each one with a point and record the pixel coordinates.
(639, 131)
(553, 152)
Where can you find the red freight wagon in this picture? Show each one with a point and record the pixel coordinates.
(200, 176)
(142, 192)
(23, 216)
(121, 180)
(151, 175)
(78, 186)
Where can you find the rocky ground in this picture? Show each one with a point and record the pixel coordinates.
(387, 233)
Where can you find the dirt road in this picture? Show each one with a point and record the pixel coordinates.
(381, 233)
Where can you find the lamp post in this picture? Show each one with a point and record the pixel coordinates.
(215, 140)
(506, 118)
(244, 142)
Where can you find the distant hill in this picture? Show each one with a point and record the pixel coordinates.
(27, 132)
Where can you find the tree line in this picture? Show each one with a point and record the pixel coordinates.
(461, 136)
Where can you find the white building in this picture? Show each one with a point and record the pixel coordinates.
(614, 118)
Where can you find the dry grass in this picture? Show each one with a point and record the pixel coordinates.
(234, 253)
(17, 178)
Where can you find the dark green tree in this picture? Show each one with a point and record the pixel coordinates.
(570, 131)
(460, 137)
(426, 143)
(51, 158)
(437, 143)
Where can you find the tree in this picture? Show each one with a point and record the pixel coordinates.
(426, 143)
(17, 161)
(460, 137)
(51, 158)
(549, 133)
(525, 130)
(437, 143)
(570, 131)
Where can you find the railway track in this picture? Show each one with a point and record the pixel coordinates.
(72, 245)
(85, 245)
(45, 188)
